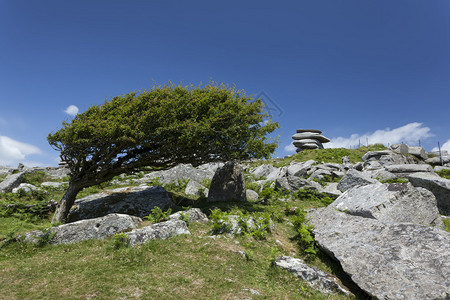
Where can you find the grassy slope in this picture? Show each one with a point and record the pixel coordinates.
(187, 267)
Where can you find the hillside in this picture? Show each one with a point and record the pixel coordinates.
(205, 264)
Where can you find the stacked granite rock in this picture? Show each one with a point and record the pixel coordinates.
(309, 139)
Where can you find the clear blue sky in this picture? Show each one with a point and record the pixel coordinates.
(371, 69)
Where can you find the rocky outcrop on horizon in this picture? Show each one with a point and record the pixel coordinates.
(309, 139)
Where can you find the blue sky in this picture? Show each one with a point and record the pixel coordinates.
(357, 70)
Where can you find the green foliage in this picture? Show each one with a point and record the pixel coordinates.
(177, 187)
(326, 179)
(395, 180)
(120, 240)
(446, 224)
(308, 194)
(444, 173)
(185, 217)
(157, 215)
(46, 238)
(34, 178)
(206, 183)
(219, 221)
(32, 213)
(305, 239)
(269, 193)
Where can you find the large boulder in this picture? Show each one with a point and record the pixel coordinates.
(179, 172)
(262, 170)
(294, 183)
(137, 201)
(10, 182)
(97, 228)
(228, 184)
(395, 203)
(315, 277)
(162, 231)
(300, 169)
(438, 160)
(385, 158)
(194, 215)
(354, 178)
(310, 135)
(404, 169)
(439, 186)
(386, 260)
(418, 152)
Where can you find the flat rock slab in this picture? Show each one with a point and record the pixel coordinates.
(310, 135)
(316, 278)
(10, 182)
(408, 168)
(309, 130)
(163, 230)
(98, 228)
(388, 261)
(136, 201)
(439, 186)
(194, 215)
(395, 203)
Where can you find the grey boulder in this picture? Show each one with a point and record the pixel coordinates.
(179, 172)
(408, 168)
(386, 260)
(300, 169)
(354, 178)
(10, 182)
(137, 201)
(228, 184)
(311, 135)
(163, 230)
(316, 278)
(194, 215)
(386, 158)
(439, 186)
(97, 228)
(294, 183)
(394, 203)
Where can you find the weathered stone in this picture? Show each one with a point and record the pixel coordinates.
(211, 168)
(54, 184)
(385, 158)
(388, 261)
(408, 168)
(193, 188)
(309, 130)
(302, 143)
(294, 183)
(395, 203)
(98, 228)
(251, 195)
(316, 278)
(10, 182)
(262, 170)
(439, 186)
(137, 201)
(228, 184)
(300, 169)
(25, 187)
(418, 152)
(311, 146)
(4, 171)
(331, 189)
(440, 168)
(399, 148)
(437, 160)
(163, 230)
(277, 173)
(319, 174)
(358, 166)
(310, 135)
(382, 174)
(180, 172)
(57, 173)
(195, 215)
(354, 178)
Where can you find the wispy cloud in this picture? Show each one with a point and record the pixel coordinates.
(409, 134)
(290, 148)
(71, 110)
(12, 152)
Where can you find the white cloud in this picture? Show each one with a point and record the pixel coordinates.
(71, 110)
(12, 152)
(290, 148)
(445, 146)
(409, 134)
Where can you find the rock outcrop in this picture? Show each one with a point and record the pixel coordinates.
(163, 230)
(10, 182)
(228, 184)
(309, 139)
(97, 228)
(393, 203)
(386, 260)
(316, 278)
(439, 186)
(136, 201)
(354, 178)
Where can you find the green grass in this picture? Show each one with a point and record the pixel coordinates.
(184, 267)
(444, 174)
(447, 224)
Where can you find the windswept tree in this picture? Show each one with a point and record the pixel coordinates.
(158, 129)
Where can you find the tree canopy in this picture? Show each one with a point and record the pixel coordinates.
(158, 129)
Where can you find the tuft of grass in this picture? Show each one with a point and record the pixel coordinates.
(446, 224)
(444, 173)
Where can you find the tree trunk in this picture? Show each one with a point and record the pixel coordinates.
(66, 202)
